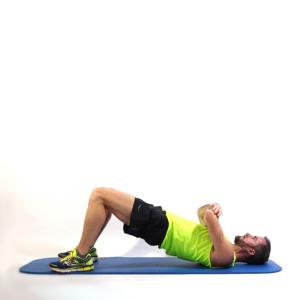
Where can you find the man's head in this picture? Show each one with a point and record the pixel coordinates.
(253, 249)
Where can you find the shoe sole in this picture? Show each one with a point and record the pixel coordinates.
(81, 269)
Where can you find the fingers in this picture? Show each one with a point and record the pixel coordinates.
(217, 209)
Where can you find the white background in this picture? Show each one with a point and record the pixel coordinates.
(179, 103)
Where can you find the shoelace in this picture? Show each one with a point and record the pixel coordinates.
(69, 258)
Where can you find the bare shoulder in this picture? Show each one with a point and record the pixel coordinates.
(222, 257)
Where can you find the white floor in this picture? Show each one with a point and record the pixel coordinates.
(24, 241)
(23, 286)
(15, 285)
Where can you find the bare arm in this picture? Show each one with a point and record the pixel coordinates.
(214, 228)
(222, 254)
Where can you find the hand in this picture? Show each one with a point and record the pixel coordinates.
(216, 209)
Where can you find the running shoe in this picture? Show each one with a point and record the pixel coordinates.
(73, 263)
(92, 251)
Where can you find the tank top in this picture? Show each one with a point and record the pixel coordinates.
(188, 240)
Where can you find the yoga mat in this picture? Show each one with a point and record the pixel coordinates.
(150, 265)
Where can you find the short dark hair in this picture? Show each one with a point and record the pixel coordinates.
(262, 253)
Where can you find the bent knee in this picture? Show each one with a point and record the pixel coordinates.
(99, 192)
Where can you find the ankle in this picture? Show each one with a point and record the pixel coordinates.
(82, 252)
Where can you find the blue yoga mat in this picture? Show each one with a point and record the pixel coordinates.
(151, 265)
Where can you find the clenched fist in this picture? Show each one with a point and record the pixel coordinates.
(215, 208)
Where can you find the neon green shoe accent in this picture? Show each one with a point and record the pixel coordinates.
(92, 251)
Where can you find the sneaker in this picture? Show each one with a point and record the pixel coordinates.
(73, 263)
(92, 252)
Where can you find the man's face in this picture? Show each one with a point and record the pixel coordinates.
(249, 240)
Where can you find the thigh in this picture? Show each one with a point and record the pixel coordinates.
(118, 202)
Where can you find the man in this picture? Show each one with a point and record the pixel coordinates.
(179, 237)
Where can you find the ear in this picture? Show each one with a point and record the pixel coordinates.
(251, 251)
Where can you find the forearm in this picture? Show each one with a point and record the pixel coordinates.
(214, 228)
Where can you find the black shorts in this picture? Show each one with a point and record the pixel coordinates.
(147, 222)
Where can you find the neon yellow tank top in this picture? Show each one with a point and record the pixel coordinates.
(187, 240)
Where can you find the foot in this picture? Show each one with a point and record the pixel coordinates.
(73, 263)
(92, 252)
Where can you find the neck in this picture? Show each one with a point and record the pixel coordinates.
(240, 255)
